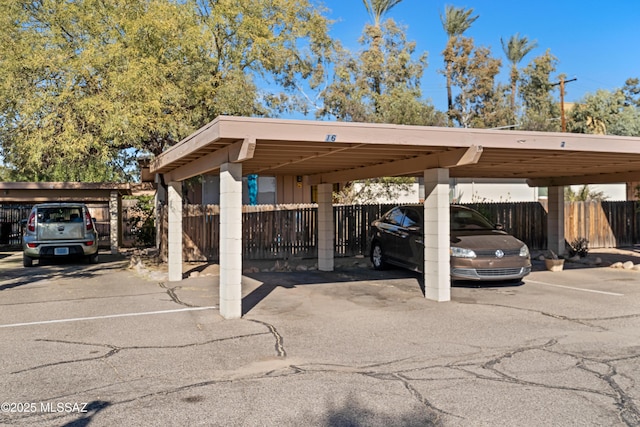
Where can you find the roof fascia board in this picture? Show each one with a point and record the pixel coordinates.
(446, 159)
(57, 195)
(203, 136)
(123, 188)
(389, 134)
(613, 178)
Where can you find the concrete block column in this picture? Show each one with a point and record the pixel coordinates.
(326, 233)
(115, 221)
(437, 273)
(160, 200)
(555, 220)
(231, 240)
(174, 232)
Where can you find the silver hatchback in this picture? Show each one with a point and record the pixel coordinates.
(59, 230)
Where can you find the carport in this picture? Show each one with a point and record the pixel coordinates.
(43, 192)
(330, 152)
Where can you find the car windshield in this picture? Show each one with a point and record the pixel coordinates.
(463, 219)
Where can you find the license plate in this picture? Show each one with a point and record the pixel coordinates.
(61, 251)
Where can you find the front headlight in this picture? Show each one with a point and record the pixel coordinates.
(524, 251)
(462, 252)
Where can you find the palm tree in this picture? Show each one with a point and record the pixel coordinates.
(377, 8)
(516, 48)
(456, 21)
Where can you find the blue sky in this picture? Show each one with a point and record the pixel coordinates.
(595, 41)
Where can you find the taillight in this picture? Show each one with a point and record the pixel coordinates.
(31, 224)
(32, 245)
(87, 220)
(89, 243)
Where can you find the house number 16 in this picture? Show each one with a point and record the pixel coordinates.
(330, 138)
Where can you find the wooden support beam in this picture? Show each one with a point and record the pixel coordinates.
(445, 159)
(234, 153)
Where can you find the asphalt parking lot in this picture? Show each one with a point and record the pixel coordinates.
(104, 344)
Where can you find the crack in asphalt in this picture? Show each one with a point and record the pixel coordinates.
(583, 322)
(433, 412)
(627, 410)
(116, 349)
(491, 366)
(280, 351)
(279, 344)
(174, 297)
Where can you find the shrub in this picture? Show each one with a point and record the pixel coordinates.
(580, 247)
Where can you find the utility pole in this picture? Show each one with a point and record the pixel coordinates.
(561, 83)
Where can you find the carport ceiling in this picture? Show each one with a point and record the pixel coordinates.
(341, 151)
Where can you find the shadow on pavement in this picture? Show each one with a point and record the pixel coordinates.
(67, 267)
(92, 410)
(269, 281)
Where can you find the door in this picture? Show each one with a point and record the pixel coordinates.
(410, 247)
(389, 233)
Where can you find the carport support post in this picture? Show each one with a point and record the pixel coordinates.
(174, 234)
(325, 227)
(437, 274)
(159, 201)
(231, 240)
(115, 219)
(555, 220)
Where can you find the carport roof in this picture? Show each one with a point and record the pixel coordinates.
(343, 151)
(36, 192)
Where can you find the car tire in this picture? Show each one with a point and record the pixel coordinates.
(27, 261)
(377, 257)
(93, 259)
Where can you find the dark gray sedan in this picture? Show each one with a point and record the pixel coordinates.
(479, 249)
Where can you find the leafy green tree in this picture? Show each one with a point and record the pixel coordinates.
(541, 110)
(374, 56)
(379, 86)
(83, 81)
(455, 22)
(516, 48)
(375, 190)
(495, 110)
(473, 73)
(605, 113)
(631, 90)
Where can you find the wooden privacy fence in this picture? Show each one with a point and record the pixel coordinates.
(281, 232)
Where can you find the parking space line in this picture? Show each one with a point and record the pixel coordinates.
(107, 316)
(576, 289)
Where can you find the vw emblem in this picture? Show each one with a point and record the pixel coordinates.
(499, 254)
